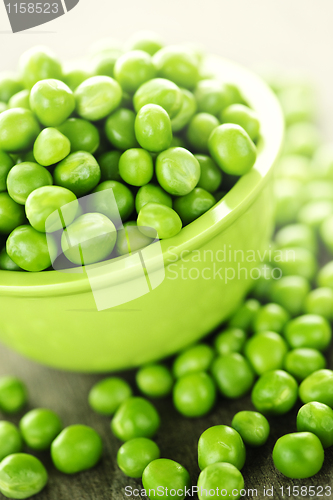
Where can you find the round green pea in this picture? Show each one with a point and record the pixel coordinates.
(266, 351)
(178, 64)
(74, 76)
(232, 149)
(186, 112)
(298, 455)
(320, 302)
(6, 263)
(108, 394)
(309, 330)
(270, 317)
(13, 394)
(177, 171)
(79, 172)
(210, 174)
(10, 439)
(29, 249)
(297, 261)
(290, 292)
(20, 100)
(97, 97)
(244, 117)
(301, 362)
(263, 282)
(136, 417)
(130, 239)
(135, 455)
(150, 193)
(11, 214)
(229, 341)
(159, 91)
(244, 316)
(103, 203)
(52, 101)
(39, 63)
(220, 479)
(318, 387)
(109, 165)
(158, 219)
(233, 375)
(10, 84)
(194, 204)
(296, 235)
(211, 96)
(6, 163)
(134, 68)
(22, 476)
(194, 394)
(275, 393)
(316, 418)
(51, 146)
(153, 128)
(164, 475)
(148, 41)
(24, 178)
(252, 426)
(119, 129)
(221, 443)
(18, 130)
(194, 359)
(154, 381)
(136, 167)
(39, 428)
(83, 135)
(103, 62)
(199, 131)
(77, 448)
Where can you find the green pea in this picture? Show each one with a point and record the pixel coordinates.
(177, 171)
(229, 341)
(270, 317)
(24, 178)
(274, 393)
(154, 381)
(6, 263)
(119, 129)
(296, 261)
(302, 138)
(83, 135)
(10, 439)
(77, 448)
(136, 417)
(220, 479)
(194, 204)
(210, 96)
(20, 100)
(97, 97)
(39, 63)
(263, 283)
(136, 167)
(103, 203)
(289, 198)
(108, 394)
(309, 330)
(194, 359)
(298, 455)
(221, 443)
(301, 362)
(43, 206)
(161, 92)
(74, 76)
(317, 418)
(233, 375)
(103, 63)
(130, 239)
(290, 292)
(158, 219)
(134, 68)
(18, 130)
(135, 455)
(165, 476)
(266, 351)
(199, 131)
(210, 176)
(244, 117)
(318, 387)
(89, 239)
(186, 112)
(320, 302)
(109, 165)
(52, 102)
(11, 214)
(153, 128)
(79, 172)
(29, 249)
(13, 394)
(244, 316)
(150, 193)
(232, 149)
(325, 276)
(6, 163)
(148, 41)
(178, 64)
(39, 428)
(51, 147)
(294, 167)
(194, 394)
(22, 476)
(10, 84)
(314, 213)
(252, 426)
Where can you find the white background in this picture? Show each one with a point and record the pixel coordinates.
(292, 33)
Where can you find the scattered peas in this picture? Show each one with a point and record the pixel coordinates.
(194, 394)
(301, 362)
(10, 439)
(317, 418)
(320, 302)
(165, 475)
(194, 359)
(135, 455)
(106, 396)
(13, 394)
(22, 476)
(154, 381)
(309, 330)
(39, 428)
(252, 426)
(270, 317)
(266, 351)
(318, 387)
(220, 477)
(274, 393)
(136, 417)
(233, 375)
(221, 443)
(229, 341)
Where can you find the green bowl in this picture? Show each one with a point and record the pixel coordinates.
(66, 320)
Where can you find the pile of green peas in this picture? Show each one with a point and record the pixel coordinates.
(143, 121)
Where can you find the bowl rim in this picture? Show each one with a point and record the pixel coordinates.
(262, 99)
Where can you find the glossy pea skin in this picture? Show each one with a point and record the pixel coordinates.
(119, 129)
(22, 476)
(296, 235)
(270, 317)
(298, 455)
(177, 171)
(89, 239)
(108, 394)
(221, 443)
(194, 394)
(153, 128)
(20, 100)
(252, 426)
(109, 165)
(194, 359)
(150, 193)
(39, 63)
(13, 394)
(18, 130)
(159, 91)
(301, 362)
(274, 393)
(244, 315)
(130, 239)
(178, 64)
(6, 263)
(39, 427)
(43, 205)
(220, 477)
(24, 178)
(290, 292)
(316, 418)
(186, 112)
(29, 249)
(318, 387)
(103, 203)
(158, 219)
(266, 351)
(11, 214)
(136, 417)
(309, 330)
(77, 448)
(10, 84)
(199, 131)
(52, 101)
(146, 40)
(134, 68)
(233, 375)
(83, 135)
(210, 174)
(136, 167)
(244, 117)
(325, 275)
(229, 341)
(97, 97)
(154, 381)
(6, 163)
(51, 146)
(297, 261)
(165, 475)
(10, 439)
(79, 172)
(194, 204)
(320, 302)
(135, 455)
